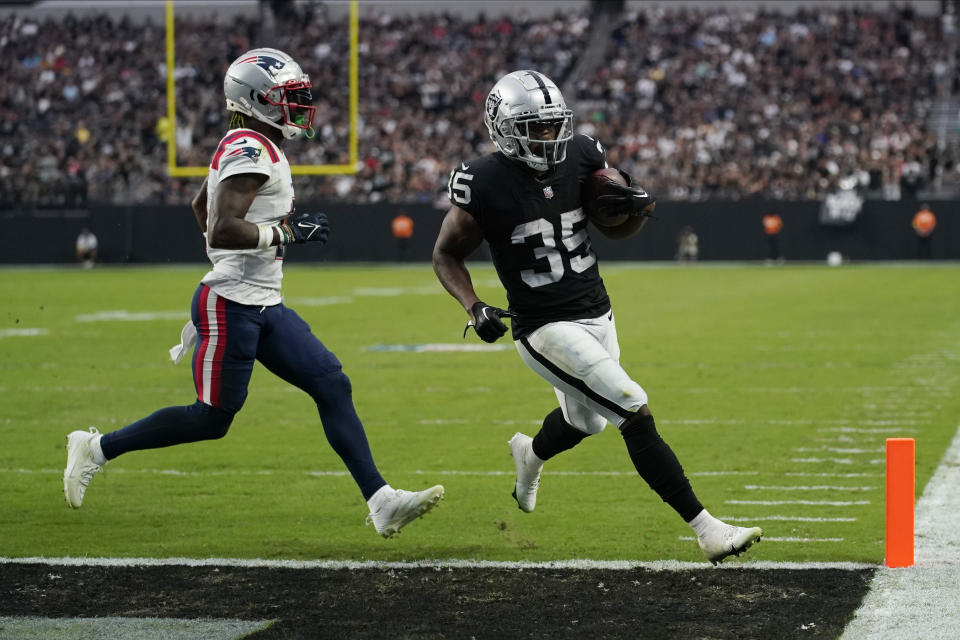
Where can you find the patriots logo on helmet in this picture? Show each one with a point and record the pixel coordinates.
(267, 63)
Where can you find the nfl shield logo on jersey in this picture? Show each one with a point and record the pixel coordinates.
(548, 192)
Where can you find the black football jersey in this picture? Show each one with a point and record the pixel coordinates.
(537, 233)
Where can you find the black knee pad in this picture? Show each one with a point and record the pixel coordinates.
(640, 431)
(212, 422)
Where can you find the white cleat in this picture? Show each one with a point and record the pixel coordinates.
(403, 507)
(725, 540)
(80, 466)
(528, 471)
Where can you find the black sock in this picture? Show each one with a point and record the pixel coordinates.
(555, 436)
(658, 465)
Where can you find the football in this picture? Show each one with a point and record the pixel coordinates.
(590, 189)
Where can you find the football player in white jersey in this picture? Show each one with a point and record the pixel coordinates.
(525, 200)
(237, 313)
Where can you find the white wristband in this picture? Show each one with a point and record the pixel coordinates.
(266, 236)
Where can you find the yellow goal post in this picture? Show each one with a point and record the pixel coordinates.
(178, 171)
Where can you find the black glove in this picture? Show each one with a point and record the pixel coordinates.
(616, 199)
(304, 227)
(486, 321)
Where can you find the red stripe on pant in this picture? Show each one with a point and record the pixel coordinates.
(215, 374)
(204, 331)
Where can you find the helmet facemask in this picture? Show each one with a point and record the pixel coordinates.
(296, 107)
(543, 141)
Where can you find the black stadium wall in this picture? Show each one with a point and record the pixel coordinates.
(361, 233)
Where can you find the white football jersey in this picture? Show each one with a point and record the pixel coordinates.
(251, 276)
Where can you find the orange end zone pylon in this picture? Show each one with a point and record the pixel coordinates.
(900, 492)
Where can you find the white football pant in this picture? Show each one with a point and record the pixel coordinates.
(581, 359)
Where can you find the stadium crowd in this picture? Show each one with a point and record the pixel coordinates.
(697, 104)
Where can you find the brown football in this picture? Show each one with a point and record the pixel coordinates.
(591, 187)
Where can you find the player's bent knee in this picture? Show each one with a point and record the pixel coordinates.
(591, 424)
(331, 388)
(212, 423)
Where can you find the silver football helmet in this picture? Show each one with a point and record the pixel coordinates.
(270, 86)
(528, 119)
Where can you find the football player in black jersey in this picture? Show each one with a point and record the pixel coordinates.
(524, 200)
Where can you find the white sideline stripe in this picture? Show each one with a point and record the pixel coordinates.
(753, 487)
(783, 518)
(829, 503)
(453, 563)
(338, 473)
(921, 601)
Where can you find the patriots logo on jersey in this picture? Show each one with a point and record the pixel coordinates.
(250, 152)
(267, 63)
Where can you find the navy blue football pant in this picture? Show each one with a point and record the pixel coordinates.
(230, 337)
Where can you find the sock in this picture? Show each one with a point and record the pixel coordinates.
(97, 452)
(658, 465)
(702, 522)
(378, 497)
(556, 436)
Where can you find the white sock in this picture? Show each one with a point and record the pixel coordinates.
(97, 452)
(702, 522)
(377, 499)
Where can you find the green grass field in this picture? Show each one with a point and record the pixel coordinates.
(773, 385)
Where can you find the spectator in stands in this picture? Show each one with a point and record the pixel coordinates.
(87, 248)
(924, 222)
(688, 245)
(716, 104)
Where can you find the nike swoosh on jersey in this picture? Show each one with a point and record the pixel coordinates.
(464, 166)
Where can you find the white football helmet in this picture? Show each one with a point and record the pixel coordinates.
(521, 99)
(270, 86)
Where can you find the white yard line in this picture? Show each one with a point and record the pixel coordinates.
(774, 539)
(837, 460)
(753, 487)
(653, 565)
(921, 601)
(783, 518)
(829, 503)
